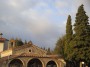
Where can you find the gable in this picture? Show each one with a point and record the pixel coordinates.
(30, 49)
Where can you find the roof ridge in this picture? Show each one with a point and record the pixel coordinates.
(40, 48)
(21, 47)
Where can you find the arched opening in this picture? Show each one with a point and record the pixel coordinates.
(34, 63)
(15, 63)
(51, 64)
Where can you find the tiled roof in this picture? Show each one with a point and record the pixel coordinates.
(8, 57)
(40, 48)
(36, 55)
(21, 47)
(12, 40)
(3, 39)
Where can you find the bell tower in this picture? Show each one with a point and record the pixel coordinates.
(12, 43)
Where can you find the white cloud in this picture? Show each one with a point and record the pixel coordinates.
(13, 3)
(61, 4)
(37, 23)
(42, 21)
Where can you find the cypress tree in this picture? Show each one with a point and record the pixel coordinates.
(48, 51)
(19, 42)
(69, 31)
(80, 44)
(69, 34)
(25, 42)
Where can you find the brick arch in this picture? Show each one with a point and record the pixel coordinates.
(17, 62)
(35, 60)
(53, 62)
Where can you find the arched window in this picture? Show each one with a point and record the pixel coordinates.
(16, 63)
(51, 64)
(34, 63)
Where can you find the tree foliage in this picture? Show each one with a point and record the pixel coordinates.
(59, 48)
(48, 51)
(76, 46)
(80, 45)
(69, 31)
(19, 42)
(25, 42)
(69, 34)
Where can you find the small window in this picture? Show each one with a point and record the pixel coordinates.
(30, 50)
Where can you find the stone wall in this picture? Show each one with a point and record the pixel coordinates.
(30, 49)
(44, 61)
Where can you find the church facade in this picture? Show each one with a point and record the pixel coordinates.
(29, 55)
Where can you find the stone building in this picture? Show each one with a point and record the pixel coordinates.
(3, 43)
(29, 55)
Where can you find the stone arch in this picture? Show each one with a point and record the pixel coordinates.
(51, 63)
(15, 63)
(35, 63)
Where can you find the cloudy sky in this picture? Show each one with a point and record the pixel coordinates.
(42, 21)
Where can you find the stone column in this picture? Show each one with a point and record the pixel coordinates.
(82, 64)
